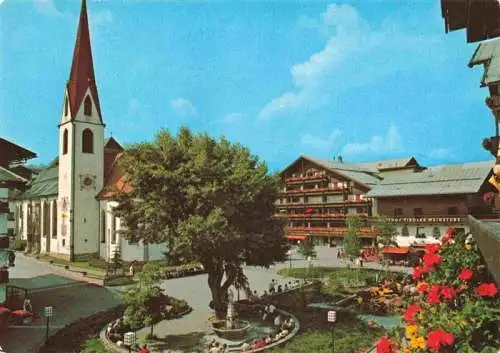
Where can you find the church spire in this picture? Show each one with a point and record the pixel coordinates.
(82, 68)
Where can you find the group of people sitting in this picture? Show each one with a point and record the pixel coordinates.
(282, 329)
(216, 347)
(274, 288)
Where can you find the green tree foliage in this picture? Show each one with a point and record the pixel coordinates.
(306, 248)
(352, 243)
(141, 304)
(209, 200)
(386, 232)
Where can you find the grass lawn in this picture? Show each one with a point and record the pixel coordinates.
(339, 279)
(94, 346)
(351, 338)
(94, 265)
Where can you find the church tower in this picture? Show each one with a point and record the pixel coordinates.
(81, 153)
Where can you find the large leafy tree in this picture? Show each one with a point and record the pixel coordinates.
(386, 235)
(209, 200)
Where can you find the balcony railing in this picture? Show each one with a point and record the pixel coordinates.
(319, 216)
(322, 203)
(330, 230)
(312, 190)
(298, 179)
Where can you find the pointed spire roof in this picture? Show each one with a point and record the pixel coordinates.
(82, 68)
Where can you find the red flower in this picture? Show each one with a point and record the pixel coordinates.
(487, 290)
(432, 248)
(433, 296)
(385, 345)
(465, 275)
(418, 272)
(438, 338)
(431, 260)
(450, 234)
(411, 312)
(448, 293)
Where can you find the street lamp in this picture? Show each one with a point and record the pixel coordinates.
(332, 317)
(129, 340)
(289, 253)
(47, 312)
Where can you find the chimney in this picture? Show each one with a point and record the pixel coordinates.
(340, 159)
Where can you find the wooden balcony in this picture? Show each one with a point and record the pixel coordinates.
(318, 216)
(306, 179)
(329, 231)
(312, 191)
(364, 202)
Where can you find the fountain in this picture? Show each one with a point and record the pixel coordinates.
(231, 328)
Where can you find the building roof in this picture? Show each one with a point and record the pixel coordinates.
(389, 164)
(45, 184)
(82, 69)
(7, 176)
(363, 176)
(115, 180)
(12, 152)
(448, 179)
(488, 54)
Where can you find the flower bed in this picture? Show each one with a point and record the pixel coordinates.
(184, 271)
(455, 307)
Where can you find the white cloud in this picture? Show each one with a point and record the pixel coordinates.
(391, 142)
(441, 153)
(354, 54)
(47, 7)
(232, 118)
(319, 142)
(184, 107)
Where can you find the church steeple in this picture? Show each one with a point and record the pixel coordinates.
(82, 69)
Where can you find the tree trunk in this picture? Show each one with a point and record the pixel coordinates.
(151, 333)
(219, 290)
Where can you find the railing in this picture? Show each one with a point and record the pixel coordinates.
(319, 216)
(334, 230)
(312, 190)
(322, 203)
(306, 178)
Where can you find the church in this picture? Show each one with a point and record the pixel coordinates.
(67, 210)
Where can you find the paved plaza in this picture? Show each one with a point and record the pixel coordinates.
(74, 299)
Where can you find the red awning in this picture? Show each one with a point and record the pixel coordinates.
(395, 250)
(296, 237)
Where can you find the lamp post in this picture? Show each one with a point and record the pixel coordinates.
(47, 312)
(332, 317)
(129, 340)
(289, 253)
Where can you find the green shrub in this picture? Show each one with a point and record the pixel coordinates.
(18, 244)
(94, 346)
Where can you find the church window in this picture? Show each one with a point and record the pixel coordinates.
(65, 141)
(103, 226)
(113, 229)
(46, 219)
(66, 108)
(87, 141)
(54, 219)
(87, 106)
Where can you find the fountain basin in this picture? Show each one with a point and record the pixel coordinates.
(238, 333)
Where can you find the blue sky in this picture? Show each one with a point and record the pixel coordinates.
(365, 79)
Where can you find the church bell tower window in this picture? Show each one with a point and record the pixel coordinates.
(66, 107)
(87, 141)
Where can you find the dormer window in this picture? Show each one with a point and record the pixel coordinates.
(87, 141)
(87, 106)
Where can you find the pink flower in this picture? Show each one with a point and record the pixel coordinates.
(448, 293)
(411, 312)
(431, 260)
(433, 296)
(385, 345)
(438, 338)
